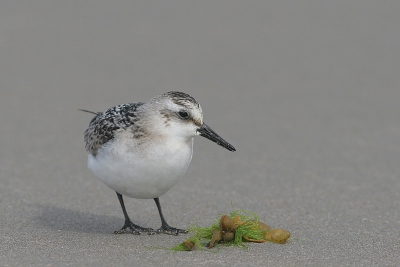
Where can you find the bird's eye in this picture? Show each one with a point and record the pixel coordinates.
(183, 114)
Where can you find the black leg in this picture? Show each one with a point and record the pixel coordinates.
(165, 228)
(136, 229)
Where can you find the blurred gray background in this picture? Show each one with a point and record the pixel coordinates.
(307, 91)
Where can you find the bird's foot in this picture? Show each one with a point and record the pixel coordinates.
(166, 229)
(135, 229)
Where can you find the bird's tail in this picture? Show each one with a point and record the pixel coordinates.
(88, 111)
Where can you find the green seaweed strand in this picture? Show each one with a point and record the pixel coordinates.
(204, 234)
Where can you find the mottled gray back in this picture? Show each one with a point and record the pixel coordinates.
(102, 127)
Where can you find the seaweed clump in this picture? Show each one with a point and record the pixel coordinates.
(239, 227)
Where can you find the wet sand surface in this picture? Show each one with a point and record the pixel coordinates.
(307, 92)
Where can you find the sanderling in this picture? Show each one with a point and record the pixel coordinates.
(141, 150)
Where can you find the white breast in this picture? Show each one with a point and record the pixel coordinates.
(142, 170)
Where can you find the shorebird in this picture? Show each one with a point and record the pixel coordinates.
(141, 150)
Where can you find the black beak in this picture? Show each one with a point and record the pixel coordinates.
(208, 133)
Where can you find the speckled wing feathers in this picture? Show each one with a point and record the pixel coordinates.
(103, 126)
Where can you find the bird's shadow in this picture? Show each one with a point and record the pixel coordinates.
(56, 218)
